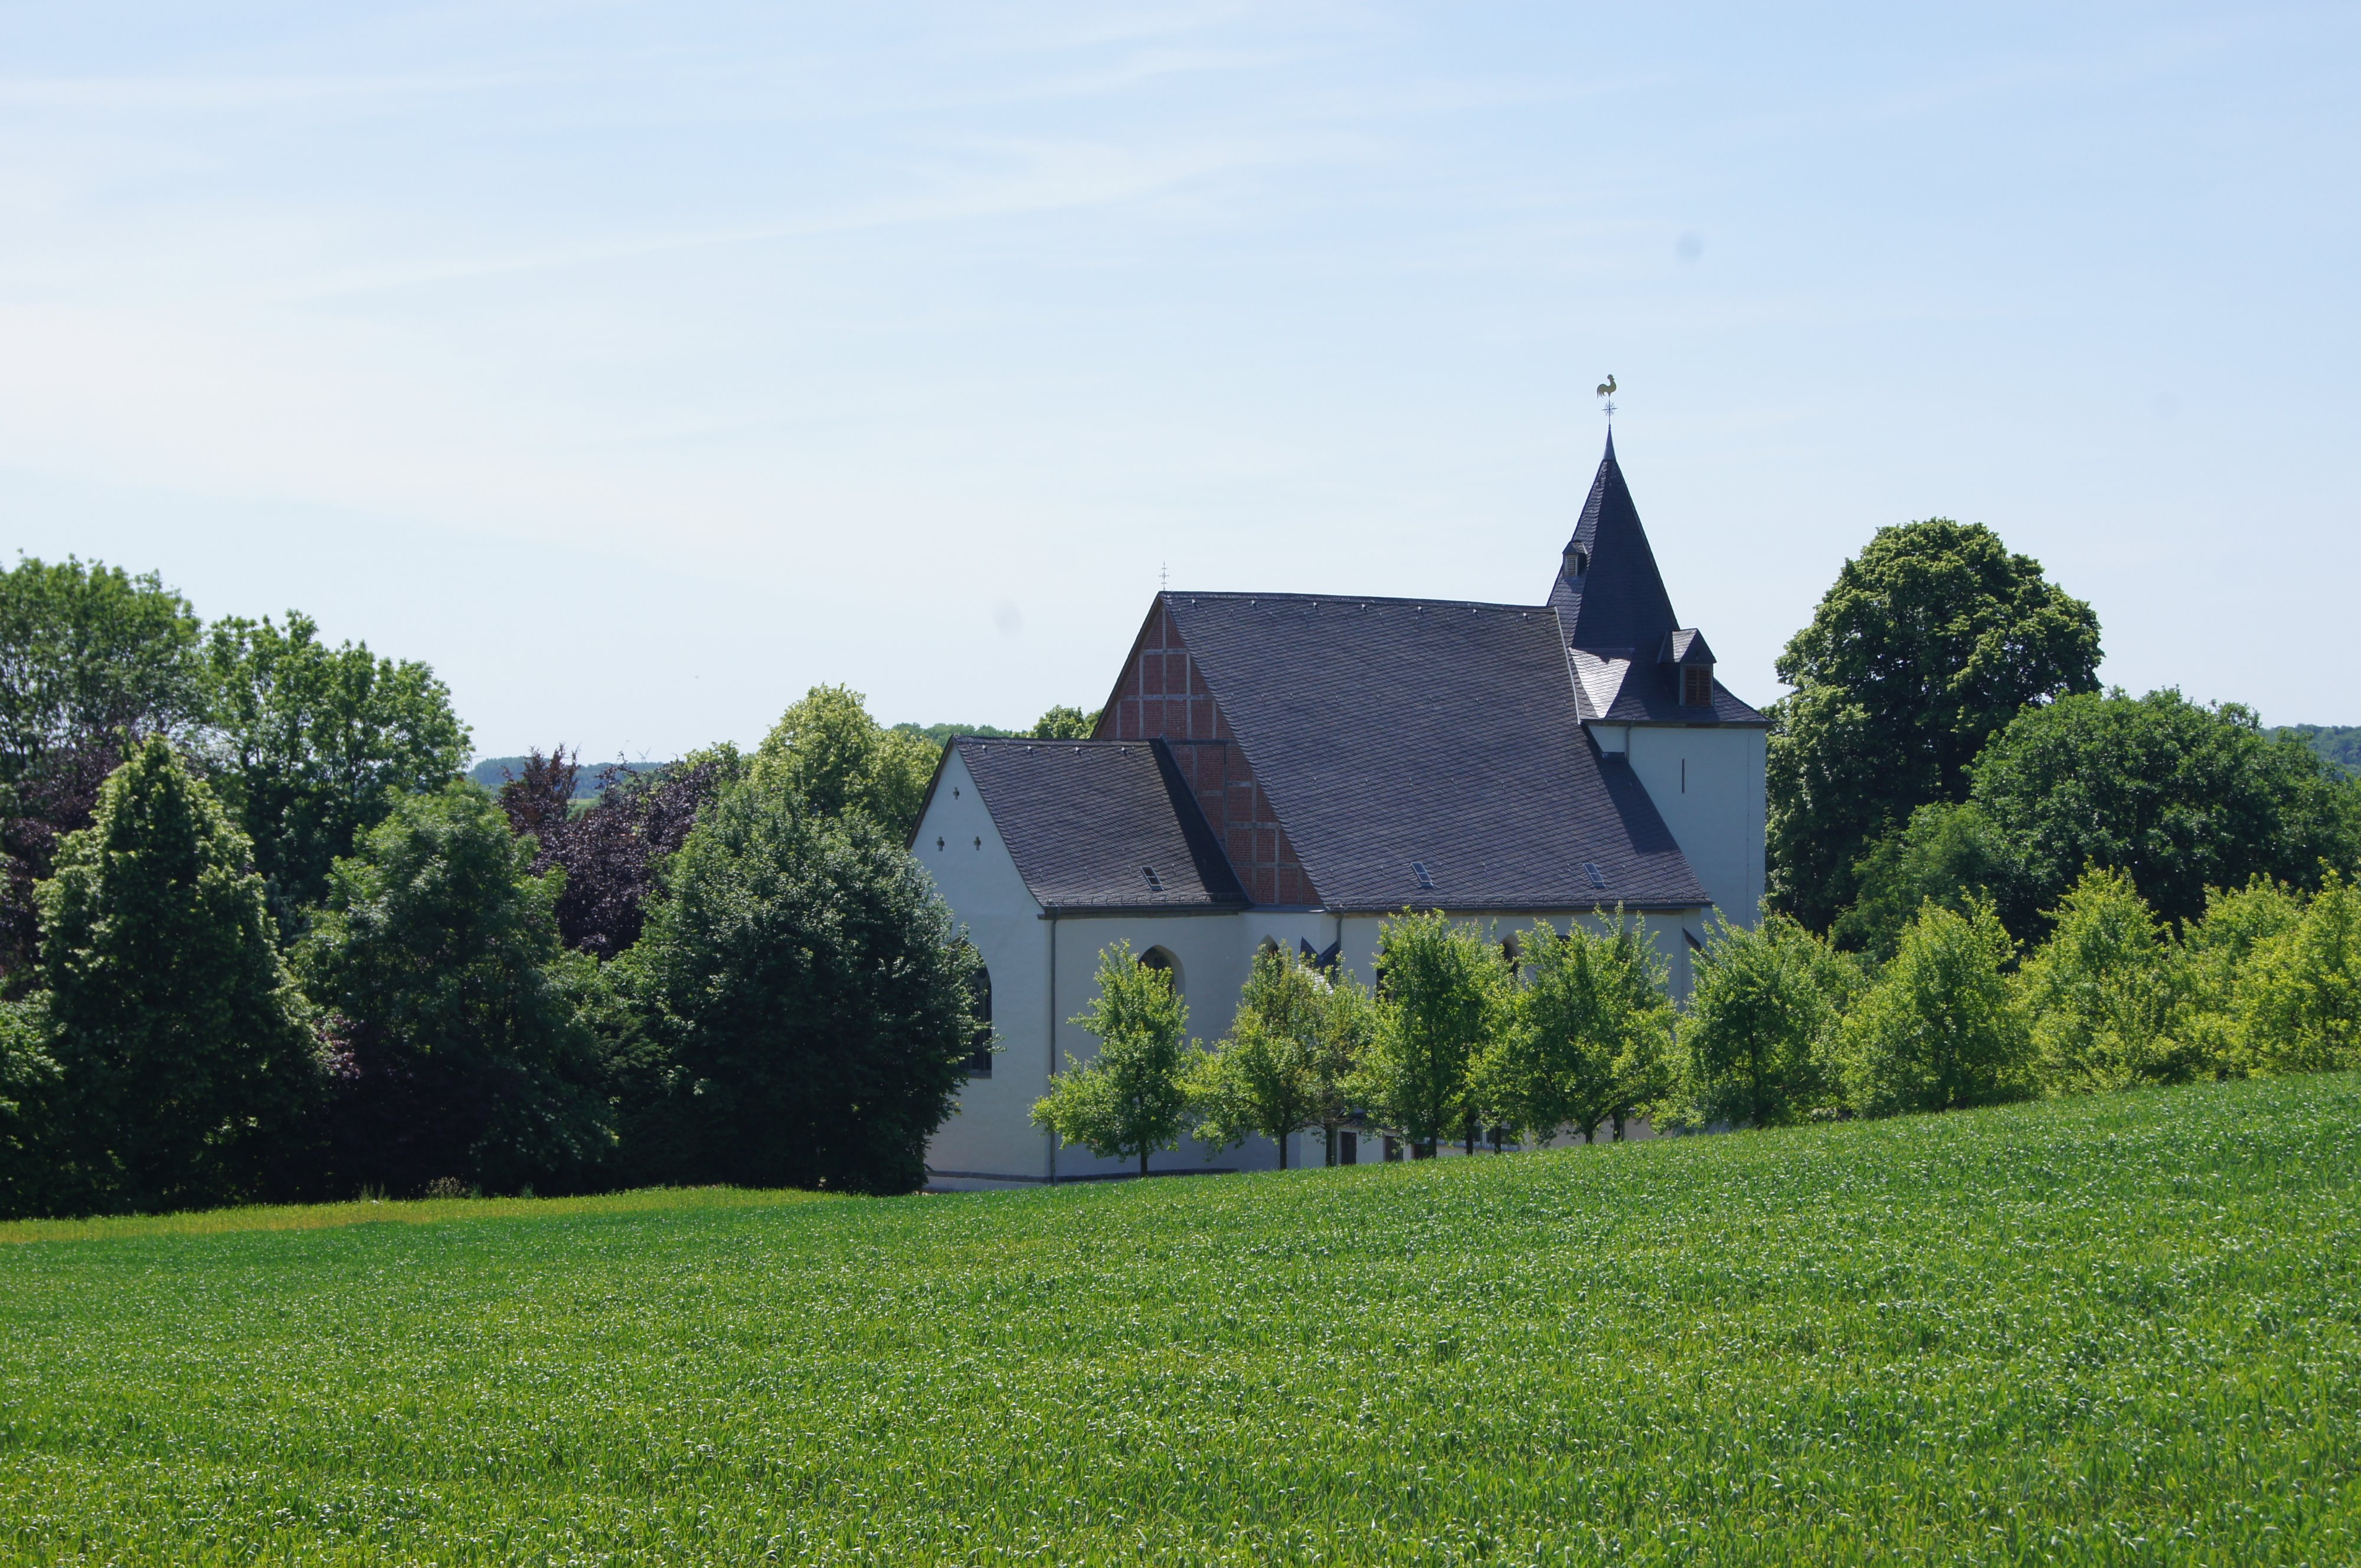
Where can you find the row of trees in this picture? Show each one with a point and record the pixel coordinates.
(1552, 1032)
(264, 940)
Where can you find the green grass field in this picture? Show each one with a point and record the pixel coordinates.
(2118, 1329)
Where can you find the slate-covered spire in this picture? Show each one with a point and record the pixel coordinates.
(1609, 596)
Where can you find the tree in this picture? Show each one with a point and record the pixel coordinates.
(1132, 1098)
(833, 757)
(1947, 854)
(458, 1049)
(1442, 994)
(88, 651)
(2298, 996)
(311, 744)
(799, 1004)
(184, 1051)
(542, 797)
(2107, 993)
(27, 1080)
(1581, 1040)
(2180, 797)
(2215, 952)
(611, 853)
(1938, 1029)
(1273, 1073)
(90, 657)
(1064, 724)
(1348, 1032)
(1930, 640)
(1766, 1002)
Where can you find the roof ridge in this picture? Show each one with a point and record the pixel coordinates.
(1187, 594)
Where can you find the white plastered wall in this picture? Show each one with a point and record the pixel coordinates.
(1706, 781)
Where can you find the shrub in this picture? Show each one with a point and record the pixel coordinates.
(2298, 996)
(2107, 993)
(1938, 1029)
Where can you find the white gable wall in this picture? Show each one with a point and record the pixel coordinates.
(972, 870)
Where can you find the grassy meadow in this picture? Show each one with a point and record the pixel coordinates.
(2117, 1328)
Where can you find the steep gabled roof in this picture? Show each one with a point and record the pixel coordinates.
(1393, 731)
(1087, 821)
(1616, 605)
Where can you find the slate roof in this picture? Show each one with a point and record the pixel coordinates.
(1085, 821)
(1386, 731)
(1617, 606)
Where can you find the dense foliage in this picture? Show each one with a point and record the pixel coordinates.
(831, 756)
(802, 1007)
(1445, 994)
(184, 1052)
(314, 744)
(2180, 797)
(1931, 640)
(2112, 1329)
(458, 1049)
(611, 849)
(1286, 1064)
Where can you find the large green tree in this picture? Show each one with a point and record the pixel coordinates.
(802, 1004)
(2179, 796)
(87, 649)
(460, 1049)
(1581, 1041)
(312, 744)
(832, 756)
(185, 1052)
(89, 656)
(1931, 640)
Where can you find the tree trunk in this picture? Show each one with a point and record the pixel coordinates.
(1421, 1151)
(1282, 1149)
(1619, 1127)
(1143, 1162)
(1331, 1137)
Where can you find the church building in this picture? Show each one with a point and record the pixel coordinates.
(1294, 768)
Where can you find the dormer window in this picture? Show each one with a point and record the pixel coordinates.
(1577, 561)
(1696, 686)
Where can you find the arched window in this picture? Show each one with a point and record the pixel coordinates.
(979, 1064)
(1161, 958)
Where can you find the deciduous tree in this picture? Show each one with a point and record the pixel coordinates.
(311, 744)
(1272, 1074)
(1755, 1049)
(802, 1004)
(1443, 994)
(2107, 993)
(827, 753)
(1939, 1029)
(459, 1049)
(1930, 640)
(2299, 992)
(1131, 1099)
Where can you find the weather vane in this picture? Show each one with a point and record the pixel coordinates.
(1606, 397)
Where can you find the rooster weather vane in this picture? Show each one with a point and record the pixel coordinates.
(1606, 397)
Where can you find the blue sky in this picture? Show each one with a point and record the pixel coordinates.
(639, 366)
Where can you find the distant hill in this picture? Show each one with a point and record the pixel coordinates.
(494, 772)
(939, 733)
(2340, 743)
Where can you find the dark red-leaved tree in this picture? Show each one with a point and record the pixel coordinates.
(54, 797)
(610, 851)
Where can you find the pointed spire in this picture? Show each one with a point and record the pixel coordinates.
(1609, 596)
